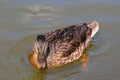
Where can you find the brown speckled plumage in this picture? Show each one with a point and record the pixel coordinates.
(61, 46)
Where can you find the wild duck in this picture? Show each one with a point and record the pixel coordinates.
(62, 46)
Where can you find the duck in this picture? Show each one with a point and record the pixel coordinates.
(62, 46)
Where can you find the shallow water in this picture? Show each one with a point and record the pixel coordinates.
(22, 20)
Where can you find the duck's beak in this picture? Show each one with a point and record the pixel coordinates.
(94, 26)
(42, 63)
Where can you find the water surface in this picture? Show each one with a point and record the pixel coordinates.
(22, 20)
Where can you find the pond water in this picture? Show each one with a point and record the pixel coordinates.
(22, 20)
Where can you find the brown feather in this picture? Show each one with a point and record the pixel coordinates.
(61, 46)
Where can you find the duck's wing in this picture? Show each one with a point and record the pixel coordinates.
(65, 41)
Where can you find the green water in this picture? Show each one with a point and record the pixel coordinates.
(22, 20)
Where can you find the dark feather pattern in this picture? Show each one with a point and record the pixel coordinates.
(62, 46)
(64, 41)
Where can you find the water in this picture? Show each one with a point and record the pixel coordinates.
(22, 20)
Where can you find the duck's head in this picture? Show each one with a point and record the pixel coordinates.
(39, 53)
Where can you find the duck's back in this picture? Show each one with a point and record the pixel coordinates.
(67, 44)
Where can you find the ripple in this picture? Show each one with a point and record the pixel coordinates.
(13, 69)
(100, 44)
(16, 65)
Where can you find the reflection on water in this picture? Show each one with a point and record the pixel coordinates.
(22, 20)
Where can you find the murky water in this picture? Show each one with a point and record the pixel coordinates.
(22, 20)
